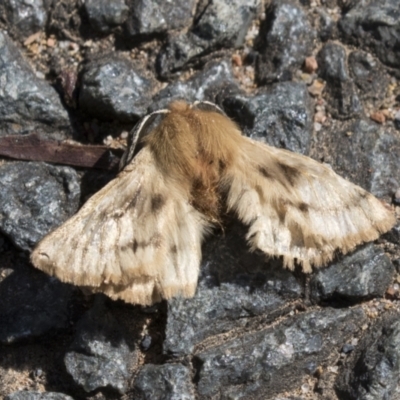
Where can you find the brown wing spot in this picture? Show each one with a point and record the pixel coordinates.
(157, 201)
(135, 245)
(291, 173)
(174, 249)
(264, 172)
(303, 207)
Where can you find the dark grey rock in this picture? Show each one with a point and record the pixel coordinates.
(281, 116)
(225, 22)
(99, 356)
(385, 165)
(105, 15)
(149, 17)
(285, 40)
(161, 382)
(333, 63)
(280, 398)
(374, 24)
(396, 263)
(29, 395)
(24, 17)
(65, 20)
(32, 304)
(34, 199)
(275, 359)
(219, 24)
(363, 275)
(374, 369)
(177, 52)
(348, 348)
(394, 236)
(235, 285)
(145, 344)
(113, 89)
(27, 103)
(397, 120)
(369, 77)
(334, 3)
(326, 25)
(340, 90)
(204, 85)
(365, 153)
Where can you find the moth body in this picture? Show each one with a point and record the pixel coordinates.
(139, 238)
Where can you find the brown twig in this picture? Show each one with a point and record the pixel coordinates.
(33, 148)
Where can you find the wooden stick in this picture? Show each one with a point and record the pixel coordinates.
(33, 148)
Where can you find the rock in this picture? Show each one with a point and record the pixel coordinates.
(30, 395)
(365, 153)
(394, 236)
(281, 116)
(149, 17)
(25, 17)
(27, 103)
(281, 398)
(34, 199)
(385, 165)
(113, 89)
(347, 348)
(221, 24)
(104, 15)
(235, 285)
(32, 304)
(340, 91)
(99, 356)
(285, 40)
(373, 370)
(362, 275)
(326, 25)
(65, 20)
(397, 120)
(276, 359)
(374, 24)
(225, 23)
(159, 382)
(146, 342)
(205, 85)
(284, 117)
(176, 53)
(369, 77)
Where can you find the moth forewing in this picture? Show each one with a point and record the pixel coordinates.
(139, 238)
(132, 240)
(300, 209)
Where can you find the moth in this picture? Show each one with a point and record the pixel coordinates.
(139, 238)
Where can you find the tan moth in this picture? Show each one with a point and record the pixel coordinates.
(139, 238)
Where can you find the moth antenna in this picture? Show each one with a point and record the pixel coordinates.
(207, 106)
(137, 132)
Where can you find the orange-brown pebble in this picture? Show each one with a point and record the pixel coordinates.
(310, 65)
(378, 116)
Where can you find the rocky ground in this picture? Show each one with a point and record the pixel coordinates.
(319, 77)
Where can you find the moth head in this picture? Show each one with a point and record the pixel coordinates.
(139, 131)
